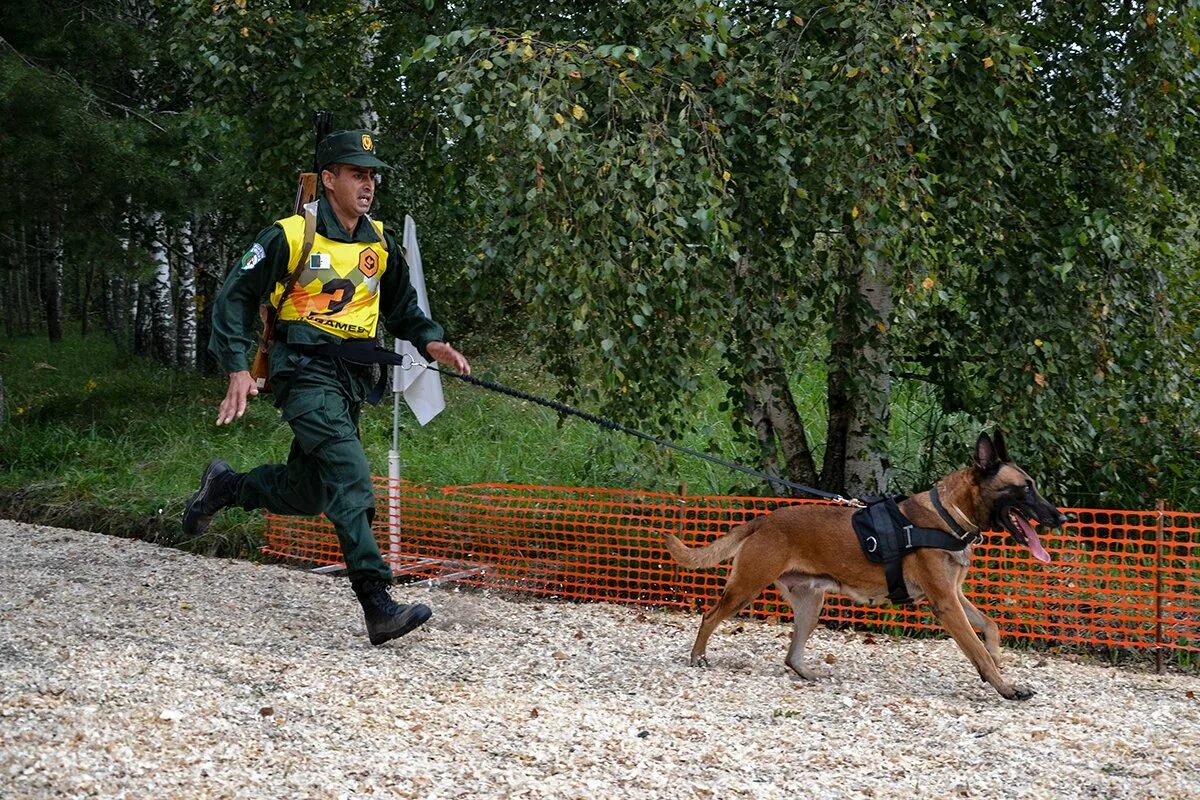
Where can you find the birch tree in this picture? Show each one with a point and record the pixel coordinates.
(955, 191)
(185, 270)
(162, 307)
(52, 277)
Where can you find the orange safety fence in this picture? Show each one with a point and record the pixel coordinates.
(1119, 579)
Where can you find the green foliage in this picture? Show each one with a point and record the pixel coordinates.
(655, 195)
(75, 143)
(1022, 175)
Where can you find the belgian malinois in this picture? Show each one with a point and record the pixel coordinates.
(809, 550)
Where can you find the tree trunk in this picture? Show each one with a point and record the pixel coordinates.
(117, 301)
(108, 299)
(185, 270)
(161, 307)
(772, 409)
(21, 292)
(10, 306)
(28, 275)
(143, 318)
(13, 272)
(85, 297)
(37, 279)
(768, 401)
(53, 280)
(210, 267)
(859, 386)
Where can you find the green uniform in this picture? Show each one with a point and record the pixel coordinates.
(326, 470)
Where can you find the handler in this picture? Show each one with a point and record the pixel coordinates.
(354, 272)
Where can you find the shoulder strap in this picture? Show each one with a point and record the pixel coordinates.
(959, 532)
(378, 229)
(310, 235)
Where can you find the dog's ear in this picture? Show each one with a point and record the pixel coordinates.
(1001, 448)
(986, 459)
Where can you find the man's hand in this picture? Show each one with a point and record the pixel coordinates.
(241, 387)
(445, 354)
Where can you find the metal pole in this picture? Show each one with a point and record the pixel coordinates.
(1158, 592)
(394, 473)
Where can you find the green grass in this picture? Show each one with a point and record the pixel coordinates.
(88, 427)
(87, 424)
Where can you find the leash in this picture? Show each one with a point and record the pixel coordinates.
(608, 424)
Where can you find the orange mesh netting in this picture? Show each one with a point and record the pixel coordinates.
(1119, 579)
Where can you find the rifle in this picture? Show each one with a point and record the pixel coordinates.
(306, 192)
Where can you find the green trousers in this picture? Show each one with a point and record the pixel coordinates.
(326, 470)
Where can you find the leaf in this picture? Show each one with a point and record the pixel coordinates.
(577, 112)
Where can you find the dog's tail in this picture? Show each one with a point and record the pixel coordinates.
(710, 555)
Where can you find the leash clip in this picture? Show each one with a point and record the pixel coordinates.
(412, 362)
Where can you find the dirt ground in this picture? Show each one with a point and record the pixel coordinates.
(133, 670)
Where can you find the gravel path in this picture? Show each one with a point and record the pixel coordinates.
(131, 670)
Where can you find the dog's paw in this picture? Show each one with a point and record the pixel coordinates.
(1018, 693)
(698, 661)
(805, 673)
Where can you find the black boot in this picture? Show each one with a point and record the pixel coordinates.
(219, 486)
(386, 619)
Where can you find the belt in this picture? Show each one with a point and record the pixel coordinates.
(355, 351)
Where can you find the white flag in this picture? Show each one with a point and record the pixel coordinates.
(422, 388)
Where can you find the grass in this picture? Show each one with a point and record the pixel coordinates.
(87, 424)
(88, 427)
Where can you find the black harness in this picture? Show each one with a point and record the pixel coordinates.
(887, 536)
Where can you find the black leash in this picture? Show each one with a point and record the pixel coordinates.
(407, 363)
(365, 351)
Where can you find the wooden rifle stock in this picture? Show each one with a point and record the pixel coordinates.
(306, 192)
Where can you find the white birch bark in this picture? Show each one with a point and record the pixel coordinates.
(54, 279)
(185, 270)
(163, 309)
(867, 467)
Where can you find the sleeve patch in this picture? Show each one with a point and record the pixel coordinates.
(254, 255)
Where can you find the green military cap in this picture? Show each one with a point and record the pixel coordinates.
(355, 147)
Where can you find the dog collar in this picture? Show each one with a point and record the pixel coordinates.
(959, 531)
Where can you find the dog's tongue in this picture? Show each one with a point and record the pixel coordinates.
(1035, 545)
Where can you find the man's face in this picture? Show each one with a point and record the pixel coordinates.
(350, 187)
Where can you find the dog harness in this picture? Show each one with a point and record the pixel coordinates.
(887, 536)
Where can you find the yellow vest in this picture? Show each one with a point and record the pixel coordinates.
(337, 290)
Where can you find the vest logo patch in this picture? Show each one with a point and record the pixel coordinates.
(368, 262)
(319, 261)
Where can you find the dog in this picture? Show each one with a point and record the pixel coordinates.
(808, 550)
